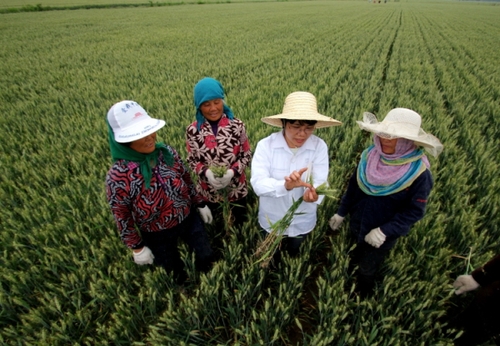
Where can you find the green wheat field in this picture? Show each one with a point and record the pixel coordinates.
(65, 277)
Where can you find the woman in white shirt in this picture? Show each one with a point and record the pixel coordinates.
(283, 164)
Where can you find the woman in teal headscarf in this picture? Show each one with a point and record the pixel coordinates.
(151, 194)
(217, 141)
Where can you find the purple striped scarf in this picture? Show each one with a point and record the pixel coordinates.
(379, 173)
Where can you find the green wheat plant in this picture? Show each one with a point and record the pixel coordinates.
(467, 259)
(218, 171)
(227, 215)
(268, 246)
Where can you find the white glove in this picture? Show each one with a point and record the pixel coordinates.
(211, 179)
(206, 214)
(375, 238)
(226, 179)
(145, 256)
(335, 222)
(465, 283)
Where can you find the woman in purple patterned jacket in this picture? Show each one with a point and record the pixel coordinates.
(218, 140)
(151, 194)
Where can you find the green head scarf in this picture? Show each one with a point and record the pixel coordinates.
(205, 90)
(145, 161)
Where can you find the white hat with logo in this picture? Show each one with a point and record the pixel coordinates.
(130, 122)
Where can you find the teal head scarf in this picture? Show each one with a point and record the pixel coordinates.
(145, 161)
(205, 90)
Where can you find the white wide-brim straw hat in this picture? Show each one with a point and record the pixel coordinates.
(301, 105)
(130, 122)
(402, 123)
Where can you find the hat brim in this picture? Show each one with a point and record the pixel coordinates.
(139, 130)
(322, 120)
(426, 140)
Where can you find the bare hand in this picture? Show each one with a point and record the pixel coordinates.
(310, 195)
(294, 180)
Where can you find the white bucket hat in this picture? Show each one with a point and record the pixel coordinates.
(130, 122)
(301, 105)
(402, 123)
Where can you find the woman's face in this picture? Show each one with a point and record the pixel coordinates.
(145, 145)
(388, 145)
(296, 135)
(212, 110)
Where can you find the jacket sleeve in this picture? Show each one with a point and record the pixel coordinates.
(245, 151)
(320, 167)
(186, 176)
(413, 209)
(262, 182)
(349, 196)
(488, 273)
(194, 158)
(121, 205)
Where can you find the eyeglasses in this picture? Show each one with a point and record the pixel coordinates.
(308, 129)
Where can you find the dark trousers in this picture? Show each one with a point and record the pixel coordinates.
(163, 244)
(368, 259)
(480, 321)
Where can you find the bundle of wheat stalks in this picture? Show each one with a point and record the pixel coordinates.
(218, 171)
(225, 204)
(268, 246)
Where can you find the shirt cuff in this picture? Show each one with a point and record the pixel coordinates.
(281, 189)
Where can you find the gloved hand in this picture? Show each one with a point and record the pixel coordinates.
(375, 238)
(206, 214)
(212, 180)
(226, 179)
(145, 256)
(465, 283)
(335, 221)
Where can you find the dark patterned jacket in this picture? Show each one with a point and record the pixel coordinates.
(230, 149)
(164, 205)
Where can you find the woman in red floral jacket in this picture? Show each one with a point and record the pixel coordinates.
(218, 139)
(151, 194)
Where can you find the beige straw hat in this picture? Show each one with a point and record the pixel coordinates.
(301, 105)
(402, 123)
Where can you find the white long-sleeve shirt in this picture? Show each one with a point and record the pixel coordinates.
(272, 162)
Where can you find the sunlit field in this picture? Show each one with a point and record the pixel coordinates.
(66, 279)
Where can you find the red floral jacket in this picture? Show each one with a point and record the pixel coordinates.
(230, 149)
(164, 205)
